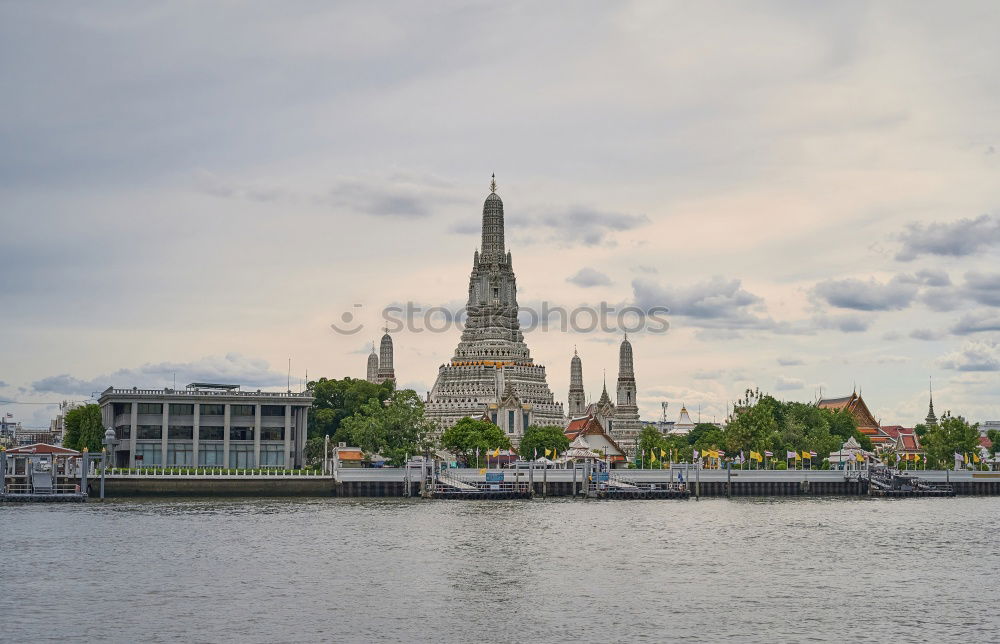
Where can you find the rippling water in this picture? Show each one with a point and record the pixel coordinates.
(400, 570)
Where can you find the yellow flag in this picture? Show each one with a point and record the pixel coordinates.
(916, 457)
(652, 456)
(482, 470)
(975, 458)
(547, 451)
(861, 459)
(496, 452)
(662, 453)
(805, 455)
(756, 456)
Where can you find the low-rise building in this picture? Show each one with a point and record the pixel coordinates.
(206, 425)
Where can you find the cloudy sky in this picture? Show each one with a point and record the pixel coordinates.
(202, 189)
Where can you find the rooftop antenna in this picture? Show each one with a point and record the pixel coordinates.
(289, 374)
(493, 183)
(664, 406)
(175, 380)
(699, 413)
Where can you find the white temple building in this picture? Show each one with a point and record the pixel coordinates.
(684, 423)
(491, 372)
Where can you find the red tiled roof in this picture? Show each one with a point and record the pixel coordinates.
(909, 441)
(43, 448)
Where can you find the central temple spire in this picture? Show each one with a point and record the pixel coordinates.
(492, 247)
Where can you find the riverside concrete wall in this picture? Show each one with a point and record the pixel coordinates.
(177, 486)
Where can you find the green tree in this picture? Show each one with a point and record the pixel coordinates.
(393, 428)
(650, 439)
(994, 436)
(538, 438)
(470, 439)
(314, 449)
(951, 435)
(84, 428)
(336, 400)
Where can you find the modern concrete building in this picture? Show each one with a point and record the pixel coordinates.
(206, 425)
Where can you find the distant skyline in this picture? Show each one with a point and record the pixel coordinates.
(201, 190)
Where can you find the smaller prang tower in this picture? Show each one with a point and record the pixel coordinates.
(372, 365)
(626, 425)
(385, 370)
(577, 397)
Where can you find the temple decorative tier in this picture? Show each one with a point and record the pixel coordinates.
(492, 372)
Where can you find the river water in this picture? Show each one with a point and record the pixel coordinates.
(402, 570)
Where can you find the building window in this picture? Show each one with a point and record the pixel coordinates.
(122, 408)
(241, 455)
(179, 454)
(241, 410)
(150, 408)
(148, 454)
(510, 422)
(272, 433)
(610, 425)
(241, 434)
(272, 456)
(178, 409)
(210, 454)
(272, 410)
(493, 418)
(180, 432)
(211, 432)
(123, 431)
(213, 410)
(524, 421)
(149, 432)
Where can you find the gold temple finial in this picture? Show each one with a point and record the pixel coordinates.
(493, 183)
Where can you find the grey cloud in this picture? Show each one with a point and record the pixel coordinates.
(872, 295)
(984, 288)
(845, 323)
(977, 322)
(954, 239)
(942, 300)
(790, 362)
(466, 227)
(973, 356)
(788, 384)
(380, 200)
(927, 277)
(587, 277)
(231, 369)
(717, 299)
(926, 334)
(579, 225)
(891, 336)
(649, 270)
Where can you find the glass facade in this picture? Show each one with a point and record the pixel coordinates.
(213, 410)
(272, 455)
(241, 434)
(241, 455)
(211, 432)
(180, 432)
(242, 410)
(272, 433)
(210, 454)
(150, 408)
(272, 410)
(149, 432)
(147, 454)
(179, 409)
(179, 453)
